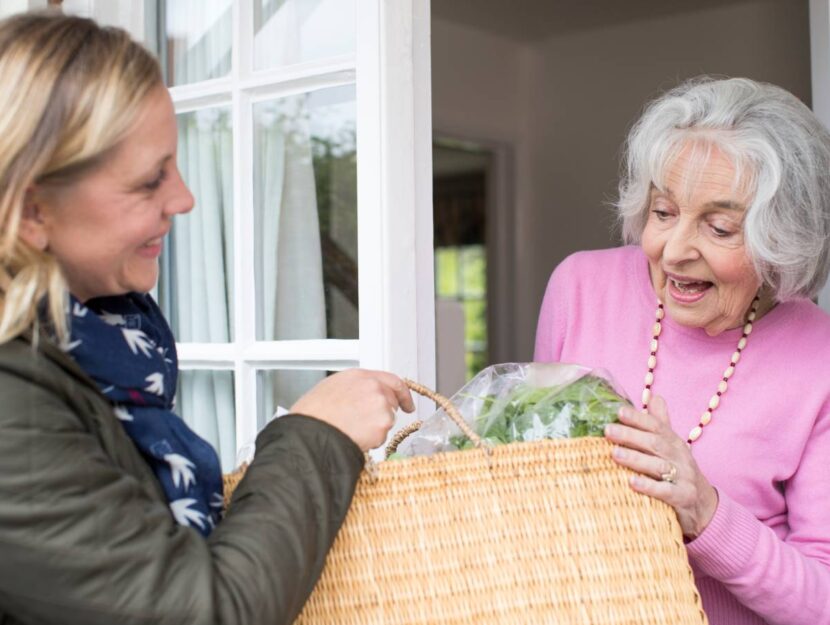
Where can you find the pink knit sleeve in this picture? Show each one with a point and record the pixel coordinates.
(787, 582)
(551, 326)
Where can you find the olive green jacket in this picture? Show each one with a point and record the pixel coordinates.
(87, 538)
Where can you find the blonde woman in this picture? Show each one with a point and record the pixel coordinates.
(109, 504)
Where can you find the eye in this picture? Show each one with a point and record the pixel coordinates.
(720, 232)
(155, 183)
(661, 214)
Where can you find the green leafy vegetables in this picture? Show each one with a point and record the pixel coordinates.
(526, 413)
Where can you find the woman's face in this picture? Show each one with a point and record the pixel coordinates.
(694, 242)
(106, 230)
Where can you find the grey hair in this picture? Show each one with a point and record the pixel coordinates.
(781, 152)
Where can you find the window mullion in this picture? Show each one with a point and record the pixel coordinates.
(245, 299)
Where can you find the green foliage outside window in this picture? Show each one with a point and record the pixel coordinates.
(461, 274)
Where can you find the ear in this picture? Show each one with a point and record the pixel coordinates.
(32, 225)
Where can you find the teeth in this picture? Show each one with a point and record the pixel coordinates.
(689, 286)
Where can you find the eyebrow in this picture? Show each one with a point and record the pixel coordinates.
(726, 205)
(157, 165)
(163, 160)
(718, 204)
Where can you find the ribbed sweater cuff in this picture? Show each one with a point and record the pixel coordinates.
(728, 543)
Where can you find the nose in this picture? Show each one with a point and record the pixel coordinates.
(180, 200)
(681, 246)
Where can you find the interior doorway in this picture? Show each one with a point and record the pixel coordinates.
(461, 207)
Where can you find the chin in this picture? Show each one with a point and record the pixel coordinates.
(685, 317)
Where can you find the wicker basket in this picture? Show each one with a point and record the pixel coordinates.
(544, 532)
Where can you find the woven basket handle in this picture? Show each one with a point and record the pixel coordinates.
(446, 404)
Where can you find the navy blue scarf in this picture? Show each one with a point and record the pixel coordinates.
(126, 346)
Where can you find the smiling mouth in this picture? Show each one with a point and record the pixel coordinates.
(689, 286)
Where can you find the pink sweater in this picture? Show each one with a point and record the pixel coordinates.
(765, 556)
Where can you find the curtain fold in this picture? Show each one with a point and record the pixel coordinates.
(289, 257)
(197, 294)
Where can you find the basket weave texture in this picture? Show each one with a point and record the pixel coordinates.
(544, 532)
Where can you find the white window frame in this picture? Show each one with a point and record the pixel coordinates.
(391, 70)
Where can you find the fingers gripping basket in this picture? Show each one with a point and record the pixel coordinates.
(542, 532)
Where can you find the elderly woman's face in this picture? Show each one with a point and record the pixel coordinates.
(694, 243)
(106, 230)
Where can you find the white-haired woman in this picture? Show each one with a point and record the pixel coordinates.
(109, 505)
(706, 321)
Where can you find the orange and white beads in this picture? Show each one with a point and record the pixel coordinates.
(714, 402)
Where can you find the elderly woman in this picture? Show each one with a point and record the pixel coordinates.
(109, 504)
(706, 320)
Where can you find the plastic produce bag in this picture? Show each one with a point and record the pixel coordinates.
(520, 402)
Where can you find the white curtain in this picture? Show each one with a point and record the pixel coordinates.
(196, 289)
(289, 257)
(291, 298)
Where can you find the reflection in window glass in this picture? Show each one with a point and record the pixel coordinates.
(195, 39)
(205, 400)
(295, 31)
(305, 203)
(196, 278)
(461, 274)
(278, 390)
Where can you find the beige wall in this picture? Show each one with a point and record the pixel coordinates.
(476, 82)
(567, 103)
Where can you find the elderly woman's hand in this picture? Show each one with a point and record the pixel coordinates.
(664, 465)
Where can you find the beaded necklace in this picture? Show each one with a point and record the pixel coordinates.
(714, 402)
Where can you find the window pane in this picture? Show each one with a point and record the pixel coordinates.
(474, 271)
(205, 400)
(305, 203)
(446, 270)
(295, 31)
(195, 42)
(134, 17)
(196, 279)
(475, 317)
(278, 390)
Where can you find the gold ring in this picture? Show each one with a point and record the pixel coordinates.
(670, 476)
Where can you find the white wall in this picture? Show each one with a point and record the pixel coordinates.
(476, 82)
(480, 92)
(566, 104)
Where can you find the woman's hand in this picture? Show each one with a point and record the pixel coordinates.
(358, 402)
(666, 469)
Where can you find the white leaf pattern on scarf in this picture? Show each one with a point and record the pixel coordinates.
(181, 467)
(111, 319)
(122, 413)
(155, 383)
(137, 340)
(184, 515)
(135, 366)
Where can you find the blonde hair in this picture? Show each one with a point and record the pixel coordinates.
(71, 90)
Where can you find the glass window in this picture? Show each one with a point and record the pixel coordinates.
(194, 39)
(305, 215)
(196, 279)
(279, 389)
(295, 31)
(205, 400)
